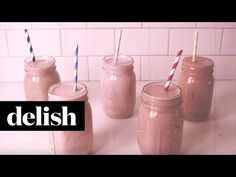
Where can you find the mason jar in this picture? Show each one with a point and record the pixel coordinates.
(118, 86)
(160, 119)
(39, 76)
(72, 142)
(197, 83)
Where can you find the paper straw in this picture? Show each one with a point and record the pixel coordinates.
(75, 67)
(30, 45)
(117, 47)
(173, 69)
(195, 46)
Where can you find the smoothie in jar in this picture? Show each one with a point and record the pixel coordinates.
(72, 142)
(39, 76)
(160, 120)
(118, 87)
(197, 84)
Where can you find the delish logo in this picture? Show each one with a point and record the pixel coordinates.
(42, 115)
(40, 118)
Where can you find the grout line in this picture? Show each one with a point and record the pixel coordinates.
(221, 41)
(141, 64)
(114, 41)
(168, 42)
(88, 59)
(60, 41)
(136, 55)
(8, 48)
(140, 68)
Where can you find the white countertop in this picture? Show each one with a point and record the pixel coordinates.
(112, 136)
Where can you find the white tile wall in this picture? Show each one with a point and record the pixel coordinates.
(114, 25)
(65, 68)
(209, 41)
(144, 42)
(229, 42)
(158, 67)
(153, 46)
(12, 69)
(225, 67)
(168, 25)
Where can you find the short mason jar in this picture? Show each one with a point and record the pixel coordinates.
(160, 120)
(72, 142)
(39, 76)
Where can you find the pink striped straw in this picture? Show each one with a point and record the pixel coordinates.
(173, 69)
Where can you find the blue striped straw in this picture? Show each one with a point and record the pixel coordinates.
(30, 45)
(75, 67)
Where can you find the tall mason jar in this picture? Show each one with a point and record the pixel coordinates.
(197, 83)
(118, 86)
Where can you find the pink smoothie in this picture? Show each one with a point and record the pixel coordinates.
(118, 87)
(160, 121)
(197, 84)
(39, 76)
(72, 142)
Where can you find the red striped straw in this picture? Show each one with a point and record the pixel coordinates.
(173, 69)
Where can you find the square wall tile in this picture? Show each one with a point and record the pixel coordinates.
(229, 42)
(209, 41)
(169, 25)
(114, 25)
(17, 43)
(15, 25)
(225, 67)
(44, 42)
(144, 42)
(3, 44)
(45, 25)
(100, 42)
(226, 25)
(68, 40)
(65, 68)
(71, 25)
(91, 42)
(12, 69)
(158, 67)
(206, 25)
(95, 67)
(216, 25)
